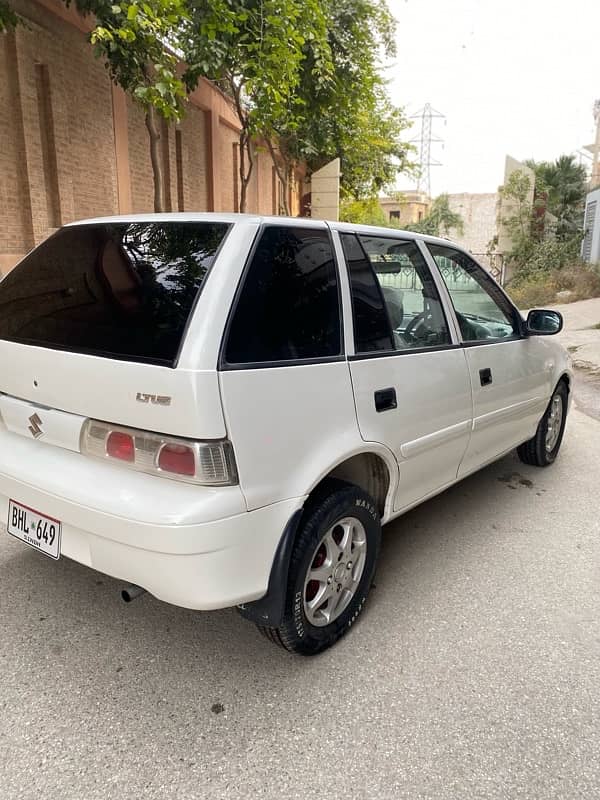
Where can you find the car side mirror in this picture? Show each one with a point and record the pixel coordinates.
(543, 322)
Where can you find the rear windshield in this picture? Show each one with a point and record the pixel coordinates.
(119, 290)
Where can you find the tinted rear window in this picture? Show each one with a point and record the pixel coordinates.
(288, 309)
(120, 290)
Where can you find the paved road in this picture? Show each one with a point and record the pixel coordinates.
(473, 673)
(580, 334)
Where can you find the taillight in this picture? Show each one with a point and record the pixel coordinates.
(207, 463)
(177, 458)
(120, 445)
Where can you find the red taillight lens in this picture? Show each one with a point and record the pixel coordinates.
(207, 463)
(177, 458)
(120, 445)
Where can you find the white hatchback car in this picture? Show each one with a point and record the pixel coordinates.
(224, 409)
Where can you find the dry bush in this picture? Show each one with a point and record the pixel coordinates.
(582, 280)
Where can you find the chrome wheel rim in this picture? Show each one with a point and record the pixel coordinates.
(335, 570)
(554, 423)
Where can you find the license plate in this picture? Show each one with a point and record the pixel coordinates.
(35, 529)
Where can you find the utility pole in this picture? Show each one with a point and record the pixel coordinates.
(427, 114)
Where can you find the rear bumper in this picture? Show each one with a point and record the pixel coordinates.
(164, 542)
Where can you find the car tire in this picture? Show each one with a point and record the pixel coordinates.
(331, 569)
(542, 449)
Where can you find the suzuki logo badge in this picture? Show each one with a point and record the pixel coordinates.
(35, 429)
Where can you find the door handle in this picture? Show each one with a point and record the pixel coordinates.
(485, 376)
(385, 399)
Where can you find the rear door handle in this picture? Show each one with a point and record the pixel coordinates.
(385, 399)
(485, 376)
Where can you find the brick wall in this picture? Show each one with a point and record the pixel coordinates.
(230, 189)
(68, 152)
(140, 169)
(194, 153)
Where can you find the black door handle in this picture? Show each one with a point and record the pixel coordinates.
(485, 376)
(385, 399)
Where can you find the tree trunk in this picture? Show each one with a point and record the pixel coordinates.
(282, 174)
(246, 165)
(155, 158)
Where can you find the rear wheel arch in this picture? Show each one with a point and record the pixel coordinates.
(368, 470)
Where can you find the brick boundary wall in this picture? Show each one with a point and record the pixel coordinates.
(75, 146)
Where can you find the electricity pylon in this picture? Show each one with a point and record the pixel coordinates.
(427, 114)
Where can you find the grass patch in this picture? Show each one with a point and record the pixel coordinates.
(541, 288)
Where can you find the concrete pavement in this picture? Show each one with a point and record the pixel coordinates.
(579, 334)
(473, 673)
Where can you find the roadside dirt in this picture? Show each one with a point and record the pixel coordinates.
(587, 391)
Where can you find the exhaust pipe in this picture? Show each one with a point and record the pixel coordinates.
(129, 593)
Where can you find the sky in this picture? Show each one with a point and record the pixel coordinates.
(516, 77)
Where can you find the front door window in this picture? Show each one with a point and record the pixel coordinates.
(482, 310)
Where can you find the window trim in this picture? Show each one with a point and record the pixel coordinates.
(434, 277)
(409, 351)
(517, 319)
(225, 366)
(356, 236)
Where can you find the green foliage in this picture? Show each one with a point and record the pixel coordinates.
(547, 255)
(542, 287)
(440, 220)
(304, 74)
(546, 237)
(363, 212)
(341, 106)
(254, 50)
(544, 256)
(8, 18)
(561, 188)
(132, 37)
(518, 218)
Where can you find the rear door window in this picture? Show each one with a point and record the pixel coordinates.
(395, 300)
(118, 290)
(288, 308)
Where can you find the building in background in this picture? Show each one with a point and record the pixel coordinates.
(325, 191)
(480, 225)
(594, 149)
(406, 208)
(590, 249)
(75, 146)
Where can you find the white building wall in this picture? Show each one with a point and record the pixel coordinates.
(591, 244)
(479, 213)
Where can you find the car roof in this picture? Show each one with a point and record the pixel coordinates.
(258, 219)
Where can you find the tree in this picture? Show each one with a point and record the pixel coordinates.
(538, 249)
(440, 220)
(8, 18)
(562, 183)
(253, 49)
(133, 39)
(344, 111)
(363, 212)
(516, 194)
